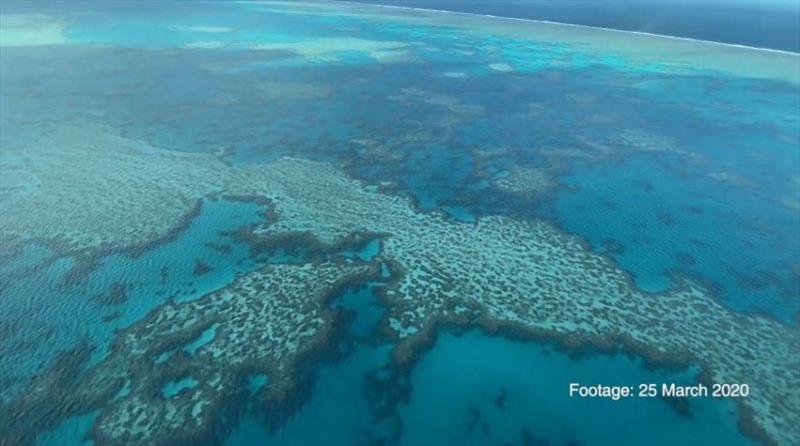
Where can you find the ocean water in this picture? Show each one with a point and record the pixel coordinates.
(490, 389)
(120, 290)
(664, 158)
(647, 239)
(735, 22)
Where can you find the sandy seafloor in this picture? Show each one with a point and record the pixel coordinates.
(677, 160)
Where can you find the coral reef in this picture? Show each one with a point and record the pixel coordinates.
(529, 277)
(525, 180)
(65, 201)
(500, 273)
(325, 49)
(168, 377)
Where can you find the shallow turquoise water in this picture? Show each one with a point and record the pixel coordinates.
(667, 228)
(338, 412)
(72, 432)
(489, 389)
(58, 315)
(474, 388)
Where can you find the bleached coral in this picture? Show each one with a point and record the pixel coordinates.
(500, 273)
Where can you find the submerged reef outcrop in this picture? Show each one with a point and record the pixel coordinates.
(522, 276)
(525, 180)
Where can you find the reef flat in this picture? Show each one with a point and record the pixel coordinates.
(525, 277)
(58, 192)
(660, 53)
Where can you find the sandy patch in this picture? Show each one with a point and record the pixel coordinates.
(206, 29)
(324, 48)
(204, 45)
(502, 67)
(30, 30)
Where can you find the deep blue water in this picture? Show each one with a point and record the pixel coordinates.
(773, 24)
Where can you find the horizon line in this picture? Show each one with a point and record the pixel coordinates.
(577, 25)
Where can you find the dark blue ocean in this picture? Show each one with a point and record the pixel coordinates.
(761, 24)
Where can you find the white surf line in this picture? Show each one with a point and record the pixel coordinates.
(575, 25)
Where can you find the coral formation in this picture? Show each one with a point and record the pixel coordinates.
(325, 49)
(499, 273)
(168, 376)
(65, 201)
(525, 180)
